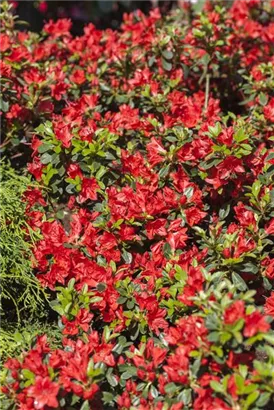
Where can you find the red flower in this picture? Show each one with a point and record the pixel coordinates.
(177, 239)
(226, 136)
(18, 112)
(245, 217)
(54, 233)
(185, 109)
(158, 355)
(156, 227)
(225, 170)
(103, 354)
(83, 319)
(58, 90)
(234, 312)
(88, 191)
(42, 7)
(59, 28)
(194, 215)
(269, 305)
(269, 110)
(206, 401)
(44, 393)
(45, 107)
(155, 319)
(35, 168)
(255, 323)
(269, 229)
(156, 152)
(70, 327)
(63, 133)
(78, 77)
(90, 392)
(74, 170)
(5, 69)
(4, 43)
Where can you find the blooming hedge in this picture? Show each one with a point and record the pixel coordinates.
(154, 145)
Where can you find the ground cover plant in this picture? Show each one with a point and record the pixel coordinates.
(151, 219)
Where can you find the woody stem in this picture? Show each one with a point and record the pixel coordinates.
(207, 91)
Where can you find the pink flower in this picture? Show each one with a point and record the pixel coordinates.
(43, 7)
(44, 392)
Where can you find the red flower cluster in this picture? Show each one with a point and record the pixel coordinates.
(155, 145)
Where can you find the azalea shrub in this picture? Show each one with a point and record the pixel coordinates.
(154, 214)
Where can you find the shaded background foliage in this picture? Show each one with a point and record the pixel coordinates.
(103, 13)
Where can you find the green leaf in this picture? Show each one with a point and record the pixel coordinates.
(270, 156)
(267, 284)
(216, 130)
(205, 59)
(111, 379)
(168, 55)
(240, 135)
(213, 162)
(216, 386)
(4, 105)
(57, 308)
(46, 158)
(198, 33)
(167, 250)
(71, 284)
(18, 337)
(250, 399)
(239, 380)
(188, 192)
(250, 268)
(247, 100)
(127, 256)
(263, 98)
(224, 211)
(166, 65)
(47, 177)
(154, 392)
(164, 171)
(44, 148)
(107, 397)
(198, 6)
(213, 337)
(101, 287)
(131, 371)
(95, 299)
(67, 307)
(85, 405)
(171, 388)
(165, 40)
(263, 399)
(75, 399)
(196, 366)
(130, 304)
(269, 337)
(238, 281)
(121, 300)
(29, 376)
(151, 61)
(185, 396)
